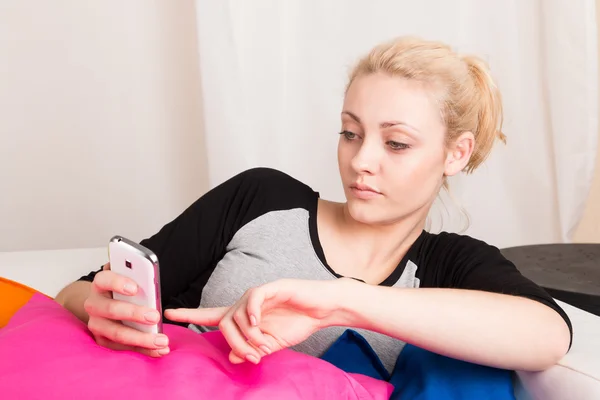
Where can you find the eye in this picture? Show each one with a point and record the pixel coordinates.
(349, 135)
(397, 145)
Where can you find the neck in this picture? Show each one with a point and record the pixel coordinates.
(381, 244)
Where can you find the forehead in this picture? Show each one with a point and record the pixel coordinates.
(375, 98)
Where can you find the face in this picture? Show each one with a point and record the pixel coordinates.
(391, 154)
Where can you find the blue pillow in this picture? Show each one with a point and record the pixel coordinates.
(353, 354)
(420, 374)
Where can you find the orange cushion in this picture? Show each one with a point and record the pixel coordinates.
(13, 295)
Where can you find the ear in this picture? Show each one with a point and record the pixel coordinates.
(459, 154)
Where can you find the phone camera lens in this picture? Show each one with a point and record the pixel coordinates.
(128, 264)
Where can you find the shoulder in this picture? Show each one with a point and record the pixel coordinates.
(271, 178)
(271, 189)
(445, 258)
(449, 243)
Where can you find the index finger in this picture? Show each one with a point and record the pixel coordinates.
(198, 316)
(108, 281)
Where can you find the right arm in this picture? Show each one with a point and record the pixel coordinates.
(72, 298)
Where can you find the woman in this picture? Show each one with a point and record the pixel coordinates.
(272, 265)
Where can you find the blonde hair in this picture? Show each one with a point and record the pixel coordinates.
(462, 85)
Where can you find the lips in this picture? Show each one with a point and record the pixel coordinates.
(364, 188)
(364, 192)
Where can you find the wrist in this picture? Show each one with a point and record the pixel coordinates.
(345, 297)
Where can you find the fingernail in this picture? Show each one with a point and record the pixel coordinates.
(164, 351)
(129, 288)
(252, 359)
(161, 341)
(151, 316)
(253, 320)
(265, 349)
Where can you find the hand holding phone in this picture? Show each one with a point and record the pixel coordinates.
(139, 264)
(113, 321)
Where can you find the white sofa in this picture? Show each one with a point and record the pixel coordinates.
(576, 377)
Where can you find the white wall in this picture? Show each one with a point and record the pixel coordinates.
(100, 120)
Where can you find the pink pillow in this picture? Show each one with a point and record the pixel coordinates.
(46, 352)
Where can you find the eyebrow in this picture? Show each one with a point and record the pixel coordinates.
(386, 124)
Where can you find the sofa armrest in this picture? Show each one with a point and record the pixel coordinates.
(577, 375)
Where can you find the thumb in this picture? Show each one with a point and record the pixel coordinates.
(198, 316)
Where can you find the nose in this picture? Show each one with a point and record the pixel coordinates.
(368, 158)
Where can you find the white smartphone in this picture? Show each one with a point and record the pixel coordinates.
(139, 264)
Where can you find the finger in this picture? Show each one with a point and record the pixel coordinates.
(235, 359)
(106, 267)
(252, 333)
(273, 347)
(100, 306)
(119, 333)
(237, 342)
(104, 342)
(198, 316)
(265, 296)
(256, 299)
(108, 281)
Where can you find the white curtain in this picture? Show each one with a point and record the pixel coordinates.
(273, 74)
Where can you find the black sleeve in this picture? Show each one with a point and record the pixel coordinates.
(189, 247)
(468, 263)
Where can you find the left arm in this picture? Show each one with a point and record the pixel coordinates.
(497, 330)
(486, 328)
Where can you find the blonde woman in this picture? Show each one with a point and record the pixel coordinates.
(272, 265)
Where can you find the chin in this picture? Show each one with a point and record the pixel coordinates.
(366, 213)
